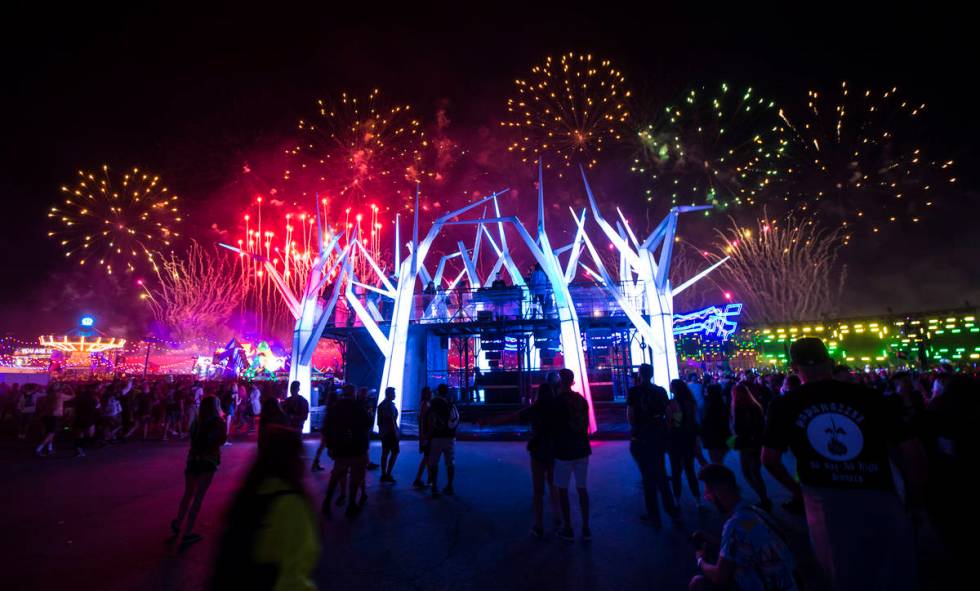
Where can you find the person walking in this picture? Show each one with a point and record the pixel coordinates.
(543, 415)
(370, 404)
(646, 410)
(207, 434)
(347, 430)
(749, 422)
(254, 407)
(296, 408)
(388, 431)
(53, 409)
(572, 451)
(683, 439)
(270, 541)
(86, 416)
(844, 437)
(27, 399)
(229, 400)
(425, 401)
(331, 401)
(442, 424)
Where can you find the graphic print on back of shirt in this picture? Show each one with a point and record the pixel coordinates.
(834, 435)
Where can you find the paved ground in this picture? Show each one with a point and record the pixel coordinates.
(101, 523)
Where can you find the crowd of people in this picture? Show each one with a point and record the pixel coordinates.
(99, 412)
(878, 457)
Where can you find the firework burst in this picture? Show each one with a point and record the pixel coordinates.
(115, 221)
(571, 108)
(862, 160)
(286, 236)
(355, 149)
(718, 145)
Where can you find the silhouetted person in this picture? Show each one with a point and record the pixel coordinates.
(270, 540)
(389, 434)
(443, 419)
(208, 433)
(683, 439)
(347, 432)
(425, 401)
(572, 451)
(544, 415)
(749, 421)
(842, 435)
(646, 409)
(296, 407)
(715, 429)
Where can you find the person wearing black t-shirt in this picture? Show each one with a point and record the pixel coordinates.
(347, 433)
(842, 435)
(572, 451)
(646, 410)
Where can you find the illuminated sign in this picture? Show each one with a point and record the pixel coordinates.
(710, 322)
(87, 321)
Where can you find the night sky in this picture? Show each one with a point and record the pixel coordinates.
(194, 95)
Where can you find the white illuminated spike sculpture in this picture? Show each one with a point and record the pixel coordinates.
(573, 353)
(307, 310)
(643, 290)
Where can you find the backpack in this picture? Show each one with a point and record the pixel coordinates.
(439, 421)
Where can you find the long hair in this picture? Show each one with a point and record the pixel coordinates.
(681, 392)
(545, 393)
(742, 397)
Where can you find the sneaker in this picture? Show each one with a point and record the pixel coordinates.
(537, 532)
(190, 538)
(352, 510)
(175, 527)
(227, 443)
(566, 534)
(448, 490)
(418, 484)
(317, 468)
(372, 466)
(79, 453)
(586, 534)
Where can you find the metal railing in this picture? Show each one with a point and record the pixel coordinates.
(500, 303)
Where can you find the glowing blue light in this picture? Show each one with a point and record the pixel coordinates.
(709, 322)
(87, 321)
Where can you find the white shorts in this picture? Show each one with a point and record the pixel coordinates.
(439, 446)
(564, 469)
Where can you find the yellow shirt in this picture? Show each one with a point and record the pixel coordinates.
(288, 538)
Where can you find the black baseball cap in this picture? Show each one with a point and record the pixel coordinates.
(808, 351)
